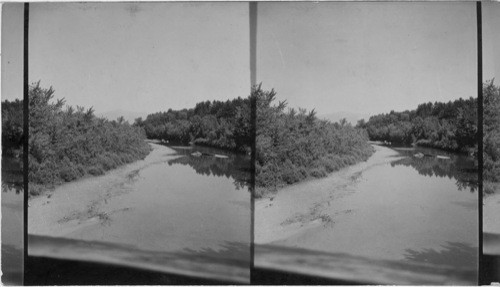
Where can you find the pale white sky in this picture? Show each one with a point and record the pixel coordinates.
(353, 57)
(12, 51)
(491, 41)
(367, 57)
(142, 57)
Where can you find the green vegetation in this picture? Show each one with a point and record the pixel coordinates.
(448, 126)
(68, 144)
(294, 146)
(491, 137)
(224, 125)
(12, 127)
(12, 141)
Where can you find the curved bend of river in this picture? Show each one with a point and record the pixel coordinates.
(159, 203)
(394, 207)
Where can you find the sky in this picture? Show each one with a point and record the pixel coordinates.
(143, 58)
(12, 51)
(367, 57)
(491, 41)
(364, 58)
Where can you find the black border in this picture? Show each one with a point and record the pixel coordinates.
(480, 140)
(252, 11)
(253, 72)
(26, 134)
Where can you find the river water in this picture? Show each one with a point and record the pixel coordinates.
(419, 209)
(12, 221)
(401, 208)
(170, 202)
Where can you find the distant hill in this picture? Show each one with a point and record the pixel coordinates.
(353, 118)
(127, 115)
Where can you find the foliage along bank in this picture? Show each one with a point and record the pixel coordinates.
(67, 144)
(225, 125)
(12, 127)
(491, 137)
(293, 146)
(448, 126)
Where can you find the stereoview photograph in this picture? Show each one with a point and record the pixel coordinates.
(366, 165)
(491, 144)
(139, 143)
(225, 143)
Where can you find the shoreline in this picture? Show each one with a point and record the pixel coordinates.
(199, 145)
(294, 210)
(491, 209)
(76, 204)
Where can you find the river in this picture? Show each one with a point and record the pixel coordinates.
(171, 201)
(12, 221)
(393, 207)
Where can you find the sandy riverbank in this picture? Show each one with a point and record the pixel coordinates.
(491, 211)
(375, 210)
(297, 208)
(75, 205)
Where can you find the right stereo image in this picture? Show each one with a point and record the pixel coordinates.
(491, 143)
(368, 160)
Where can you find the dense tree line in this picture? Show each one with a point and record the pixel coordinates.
(66, 144)
(491, 136)
(217, 124)
(449, 126)
(12, 126)
(296, 145)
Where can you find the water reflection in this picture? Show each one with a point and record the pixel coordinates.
(227, 250)
(453, 254)
(220, 264)
(12, 223)
(12, 175)
(339, 268)
(168, 202)
(460, 168)
(235, 166)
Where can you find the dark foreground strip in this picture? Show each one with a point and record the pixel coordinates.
(490, 271)
(285, 265)
(48, 271)
(54, 261)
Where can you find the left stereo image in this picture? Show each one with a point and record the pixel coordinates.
(139, 144)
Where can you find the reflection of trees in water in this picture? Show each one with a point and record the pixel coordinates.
(230, 250)
(235, 166)
(363, 270)
(12, 175)
(457, 167)
(14, 255)
(13, 271)
(454, 254)
(7, 187)
(131, 265)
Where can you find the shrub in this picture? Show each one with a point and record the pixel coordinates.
(318, 172)
(65, 145)
(292, 146)
(448, 126)
(491, 136)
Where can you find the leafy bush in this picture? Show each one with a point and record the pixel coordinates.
(448, 126)
(491, 132)
(65, 145)
(12, 126)
(225, 125)
(292, 146)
